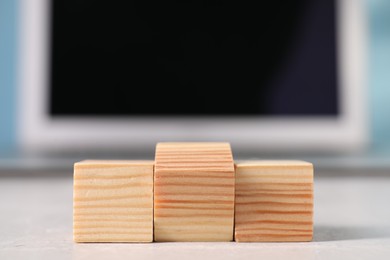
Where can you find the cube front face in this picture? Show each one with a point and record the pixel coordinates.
(193, 192)
(197, 196)
(274, 201)
(113, 201)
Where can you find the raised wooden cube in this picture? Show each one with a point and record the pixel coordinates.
(113, 201)
(193, 192)
(274, 201)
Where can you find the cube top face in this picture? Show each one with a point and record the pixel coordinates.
(274, 164)
(274, 201)
(112, 163)
(193, 192)
(113, 201)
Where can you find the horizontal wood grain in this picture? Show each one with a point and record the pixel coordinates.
(193, 192)
(274, 201)
(113, 201)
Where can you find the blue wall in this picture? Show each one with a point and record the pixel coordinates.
(8, 51)
(379, 68)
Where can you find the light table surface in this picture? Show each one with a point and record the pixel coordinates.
(352, 221)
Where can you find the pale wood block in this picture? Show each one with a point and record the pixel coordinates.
(113, 201)
(193, 192)
(274, 201)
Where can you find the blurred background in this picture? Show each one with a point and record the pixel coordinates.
(310, 81)
(283, 96)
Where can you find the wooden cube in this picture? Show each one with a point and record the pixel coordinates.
(274, 201)
(193, 192)
(113, 201)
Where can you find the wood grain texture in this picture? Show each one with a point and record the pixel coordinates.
(274, 201)
(193, 192)
(113, 201)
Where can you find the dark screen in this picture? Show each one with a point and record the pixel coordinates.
(198, 58)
